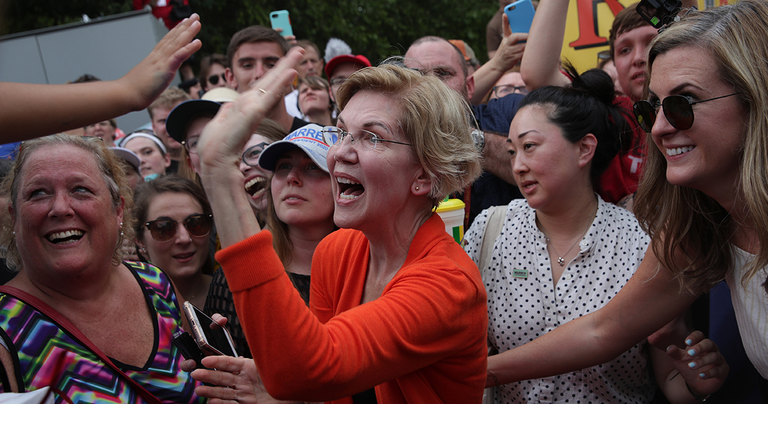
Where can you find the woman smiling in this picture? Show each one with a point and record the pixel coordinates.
(111, 323)
(174, 224)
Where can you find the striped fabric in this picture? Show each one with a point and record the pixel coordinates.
(39, 345)
(750, 303)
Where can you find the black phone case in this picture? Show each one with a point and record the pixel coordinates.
(189, 349)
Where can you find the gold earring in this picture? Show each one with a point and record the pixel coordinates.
(417, 188)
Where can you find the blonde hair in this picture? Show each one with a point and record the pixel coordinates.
(434, 119)
(684, 220)
(111, 171)
(168, 99)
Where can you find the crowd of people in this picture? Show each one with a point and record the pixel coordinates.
(612, 254)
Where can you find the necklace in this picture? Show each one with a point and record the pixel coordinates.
(560, 259)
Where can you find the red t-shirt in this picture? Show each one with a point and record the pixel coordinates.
(623, 174)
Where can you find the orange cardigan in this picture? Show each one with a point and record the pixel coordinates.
(422, 341)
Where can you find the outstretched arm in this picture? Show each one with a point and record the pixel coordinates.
(33, 110)
(651, 299)
(507, 56)
(540, 65)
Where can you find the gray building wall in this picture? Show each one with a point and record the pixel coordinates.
(105, 47)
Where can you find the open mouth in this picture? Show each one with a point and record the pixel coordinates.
(255, 186)
(348, 189)
(64, 237)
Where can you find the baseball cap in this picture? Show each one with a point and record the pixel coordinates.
(466, 50)
(128, 156)
(178, 120)
(345, 58)
(309, 139)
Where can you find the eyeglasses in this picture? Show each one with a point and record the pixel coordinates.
(337, 82)
(503, 90)
(163, 230)
(335, 136)
(251, 156)
(191, 145)
(678, 110)
(214, 79)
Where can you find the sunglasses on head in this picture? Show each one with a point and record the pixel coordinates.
(214, 79)
(678, 110)
(197, 225)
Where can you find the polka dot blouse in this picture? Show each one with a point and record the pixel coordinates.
(523, 303)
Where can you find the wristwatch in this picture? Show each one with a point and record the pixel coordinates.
(479, 137)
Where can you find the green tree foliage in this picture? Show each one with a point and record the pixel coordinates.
(23, 15)
(375, 28)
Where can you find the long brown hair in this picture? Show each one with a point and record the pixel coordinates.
(691, 232)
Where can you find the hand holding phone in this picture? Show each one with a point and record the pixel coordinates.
(520, 15)
(210, 337)
(281, 20)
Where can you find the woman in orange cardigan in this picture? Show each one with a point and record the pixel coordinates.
(397, 309)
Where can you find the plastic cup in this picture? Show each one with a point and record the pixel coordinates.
(452, 213)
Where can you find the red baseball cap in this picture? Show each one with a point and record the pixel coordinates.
(345, 58)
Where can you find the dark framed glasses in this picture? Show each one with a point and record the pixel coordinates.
(678, 110)
(503, 90)
(164, 229)
(214, 79)
(251, 155)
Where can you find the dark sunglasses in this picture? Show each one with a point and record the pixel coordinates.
(197, 225)
(678, 110)
(214, 79)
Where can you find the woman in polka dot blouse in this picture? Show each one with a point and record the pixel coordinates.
(563, 252)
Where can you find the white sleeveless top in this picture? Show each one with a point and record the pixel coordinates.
(750, 302)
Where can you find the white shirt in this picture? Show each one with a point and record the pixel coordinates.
(520, 309)
(750, 304)
(292, 104)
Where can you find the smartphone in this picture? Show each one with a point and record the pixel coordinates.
(210, 337)
(520, 14)
(281, 20)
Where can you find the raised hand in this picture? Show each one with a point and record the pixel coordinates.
(153, 75)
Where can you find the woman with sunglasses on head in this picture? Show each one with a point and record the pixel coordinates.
(702, 200)
(397, 309)
(563, 251)
(77, 318)
(173, 229)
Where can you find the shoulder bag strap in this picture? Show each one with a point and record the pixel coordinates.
(492, 230)
(67, 325)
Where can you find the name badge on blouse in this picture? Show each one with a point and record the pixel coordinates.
(522, 274)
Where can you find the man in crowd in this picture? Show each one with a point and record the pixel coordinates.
(158, 113)
(251, 53)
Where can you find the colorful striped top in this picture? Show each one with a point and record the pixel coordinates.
(37, 346)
